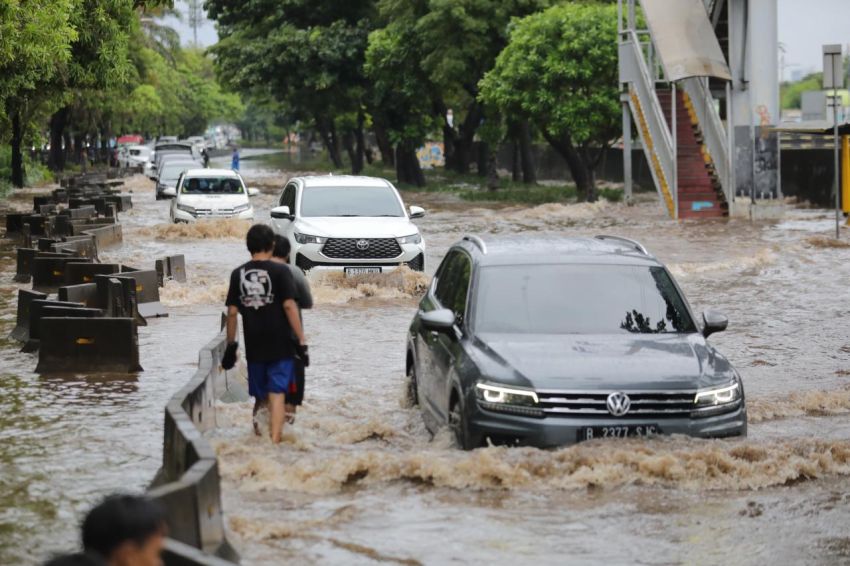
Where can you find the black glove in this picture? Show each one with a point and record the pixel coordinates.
(301, 352)
(228, 360)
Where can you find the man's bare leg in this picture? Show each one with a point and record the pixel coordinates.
(278, 415)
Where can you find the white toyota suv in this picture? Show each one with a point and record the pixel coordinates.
(356, 224)
(210, 193)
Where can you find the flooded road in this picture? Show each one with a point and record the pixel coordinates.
(359, 480)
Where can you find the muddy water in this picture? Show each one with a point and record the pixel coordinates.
(360, 481)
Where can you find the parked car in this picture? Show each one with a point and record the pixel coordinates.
(211, 193)
(355, 224)
(552, 342)
(162, 149)
(169, 174)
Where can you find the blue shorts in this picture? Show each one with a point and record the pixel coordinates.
(270, 377)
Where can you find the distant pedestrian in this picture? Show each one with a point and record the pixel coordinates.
(84, 159)
(234, 161)
(125, 530)
(205, 154)
(263, 292)
(304, 300)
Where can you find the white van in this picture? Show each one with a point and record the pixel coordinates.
(210, 193)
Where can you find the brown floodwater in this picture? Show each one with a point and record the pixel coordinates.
(359, 480)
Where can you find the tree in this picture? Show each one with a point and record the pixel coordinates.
(560, 71)
(35, 36)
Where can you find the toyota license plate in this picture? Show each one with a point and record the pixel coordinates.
(352, 271)
(619, 431)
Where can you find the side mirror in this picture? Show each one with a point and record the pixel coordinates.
(169, 192)
(713, 321)
(281, 213)
(252, 192)
(440, 320)
(417, 212)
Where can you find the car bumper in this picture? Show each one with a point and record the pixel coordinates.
(183, 216)
(551, 431)
(310, 256)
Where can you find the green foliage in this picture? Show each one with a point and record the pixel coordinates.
(791, 94)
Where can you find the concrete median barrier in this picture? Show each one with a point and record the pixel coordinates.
(62, 226)
(147, 292)
(25, 259)
(188, 484)
(105, 236)
(48, 273)
(171, 268)
(21, 332)
(117, 297)
(37, 224)
(88, 345)
(77, 273)
(82, 212)
(84, 293)
(82, 246)
(14, 223)
(36, 315)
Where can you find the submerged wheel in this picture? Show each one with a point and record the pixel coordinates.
(411, 393)
(459, 425)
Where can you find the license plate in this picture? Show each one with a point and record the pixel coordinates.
(352, 271)
(619, 431)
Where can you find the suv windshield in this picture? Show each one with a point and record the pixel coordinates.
(579, 299)
(350, 201)
(211, 186)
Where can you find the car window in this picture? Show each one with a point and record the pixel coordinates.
(288, 198)
(453, 284)
(350, 201)
(579, 299)
(210, 185)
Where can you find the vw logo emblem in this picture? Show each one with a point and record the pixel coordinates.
(362, 244)
(618, 404)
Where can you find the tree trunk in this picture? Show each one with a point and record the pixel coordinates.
(482, 157)
(529, 171)
(384, 145)
(515, 165)
(408, 170)
(463, 145)
(17, 156)
(328, 134)
(492, 170)
(360, 145)
(580, 169)
(355, 154)
(56, 158)
(68, 151)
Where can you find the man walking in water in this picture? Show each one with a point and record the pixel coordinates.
(234, 160)
(263, 292)
(304, 300)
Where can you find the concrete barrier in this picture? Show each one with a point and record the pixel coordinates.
(147, 292)
(21, 332)
(105, 236)
(82, 246)
(14, 223)
(85, 293)
(48, 273)
(171, 268)
(62, 225)
(82, 212)
(188, 484)
(75, 345)
(117, 297)
(36, 316)
(77, 273)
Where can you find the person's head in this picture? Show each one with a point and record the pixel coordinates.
(260, 239)
(282, 247)
(126, 530)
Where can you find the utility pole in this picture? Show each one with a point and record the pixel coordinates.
(833, 78)
(195, 9)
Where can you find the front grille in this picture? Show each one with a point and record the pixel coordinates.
(363, 248)
(593, 404)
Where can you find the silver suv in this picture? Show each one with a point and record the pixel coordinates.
(552, 342)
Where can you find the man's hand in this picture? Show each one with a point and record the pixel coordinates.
(301, 352)
(228, 360)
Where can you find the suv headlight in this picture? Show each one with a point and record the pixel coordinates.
(717, 400)
(242, 208)
(412, 239)
(307, 239)
(186, 208)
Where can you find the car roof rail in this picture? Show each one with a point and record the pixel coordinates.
(479, 243)
(633, 243)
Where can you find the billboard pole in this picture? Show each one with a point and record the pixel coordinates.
(833, 78)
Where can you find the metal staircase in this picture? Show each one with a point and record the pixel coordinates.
(675, 113)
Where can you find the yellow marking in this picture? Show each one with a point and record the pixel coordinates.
(86, 278)
(57, 273)
(139, 288)
(85, 341)
(650, 147)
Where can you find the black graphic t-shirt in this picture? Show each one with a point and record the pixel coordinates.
(258, 289)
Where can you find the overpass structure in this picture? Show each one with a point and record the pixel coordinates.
(699, 81)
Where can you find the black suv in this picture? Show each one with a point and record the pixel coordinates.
(548, 342)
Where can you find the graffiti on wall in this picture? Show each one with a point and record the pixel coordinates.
(431, 155)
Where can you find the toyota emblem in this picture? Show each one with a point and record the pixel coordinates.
(362, 245)
(618, 404)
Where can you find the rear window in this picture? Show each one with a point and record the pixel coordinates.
(579, 299)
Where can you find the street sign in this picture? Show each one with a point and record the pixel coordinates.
(833, 73)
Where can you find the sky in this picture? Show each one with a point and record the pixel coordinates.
(804, 26)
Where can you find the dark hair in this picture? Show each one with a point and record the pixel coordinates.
(79, 559)
(119, 519)
(282, 246)
(260, 239)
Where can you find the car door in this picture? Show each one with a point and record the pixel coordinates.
(447, 349)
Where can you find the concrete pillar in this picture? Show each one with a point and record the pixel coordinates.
(753, 60)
